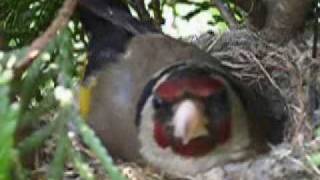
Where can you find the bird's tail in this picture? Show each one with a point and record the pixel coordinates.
(109, 25)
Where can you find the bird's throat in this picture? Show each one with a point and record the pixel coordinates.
(196, 147)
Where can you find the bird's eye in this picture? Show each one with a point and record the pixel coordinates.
(157, 102)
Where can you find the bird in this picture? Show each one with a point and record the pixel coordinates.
(165, 102)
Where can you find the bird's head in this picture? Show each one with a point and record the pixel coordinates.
(191, 115)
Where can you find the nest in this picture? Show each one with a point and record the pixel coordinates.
(283, 73)
(291, 79)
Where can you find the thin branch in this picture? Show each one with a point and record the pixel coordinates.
(156, 7)
(3, 42)
(315, 30)
(257, 12)
(226, 14)
(141, 10)
(41, 42)
(247, 5)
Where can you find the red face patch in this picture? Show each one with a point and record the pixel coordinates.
(171, 90)
(160, 135)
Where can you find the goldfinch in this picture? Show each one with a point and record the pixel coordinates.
(165, 102)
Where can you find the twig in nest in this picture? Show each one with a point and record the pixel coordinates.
(226, 14)
(41, 42)
(302, 126)
(271, 80)
(315, 30)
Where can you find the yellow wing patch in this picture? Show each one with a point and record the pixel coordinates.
(85, 96)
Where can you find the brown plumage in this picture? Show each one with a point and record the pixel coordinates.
(167, 102)
(120, 85)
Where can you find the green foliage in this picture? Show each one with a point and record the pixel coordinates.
(8, 120)
(314, 158)
(44, 93)
(44, 90)
(42, 100)
(22, 21)
(193, 10)
(82, 167)
(96, 146)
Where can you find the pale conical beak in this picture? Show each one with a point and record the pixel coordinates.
(189, 121)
